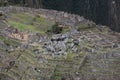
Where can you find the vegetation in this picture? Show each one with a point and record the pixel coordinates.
(56, 29)
(5, 40)
(23, 27)
(85, 26)
(31, 59)
(1, 14)
(57, 77)
(25, 21)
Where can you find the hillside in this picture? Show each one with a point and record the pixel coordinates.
(104, 12)
(29, 50)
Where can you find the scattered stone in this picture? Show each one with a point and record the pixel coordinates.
(74, 49)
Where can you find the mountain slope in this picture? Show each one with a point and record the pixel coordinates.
(83, 51)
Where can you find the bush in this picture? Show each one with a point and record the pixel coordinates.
(56, 29)
(1, 13)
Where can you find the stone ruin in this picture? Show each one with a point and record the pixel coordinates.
(60, 43)
(14, 33)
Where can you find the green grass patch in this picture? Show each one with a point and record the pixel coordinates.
(70, 55)
(24, 15)
(57, 77)
(85, 26)
(25, 21)
(21, 17)
(41, 20)
(21, 26)
(60, 66)
(30, 19)
(66, 29)
(24, 27)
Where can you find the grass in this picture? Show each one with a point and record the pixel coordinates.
(15, 70)
(60, 66)
(21, 26)
(22, 17)
(24, 27)
(70, 55)
(8, 75)
(2, 25)
(85, 26)
(34, 23)
(57, 77)
(29, 58)
(66, 29)
(25, 21)
(29, 19)
(5, 40)
(40, 20)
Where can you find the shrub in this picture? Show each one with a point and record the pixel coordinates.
(1, 13)
(56, 29)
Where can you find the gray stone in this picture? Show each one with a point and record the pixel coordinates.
(72, 45)
(74, 31)
(66, 40)
(74, 49)
(76, 41)
(65, 15)
(118, 45)
(115, 45)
